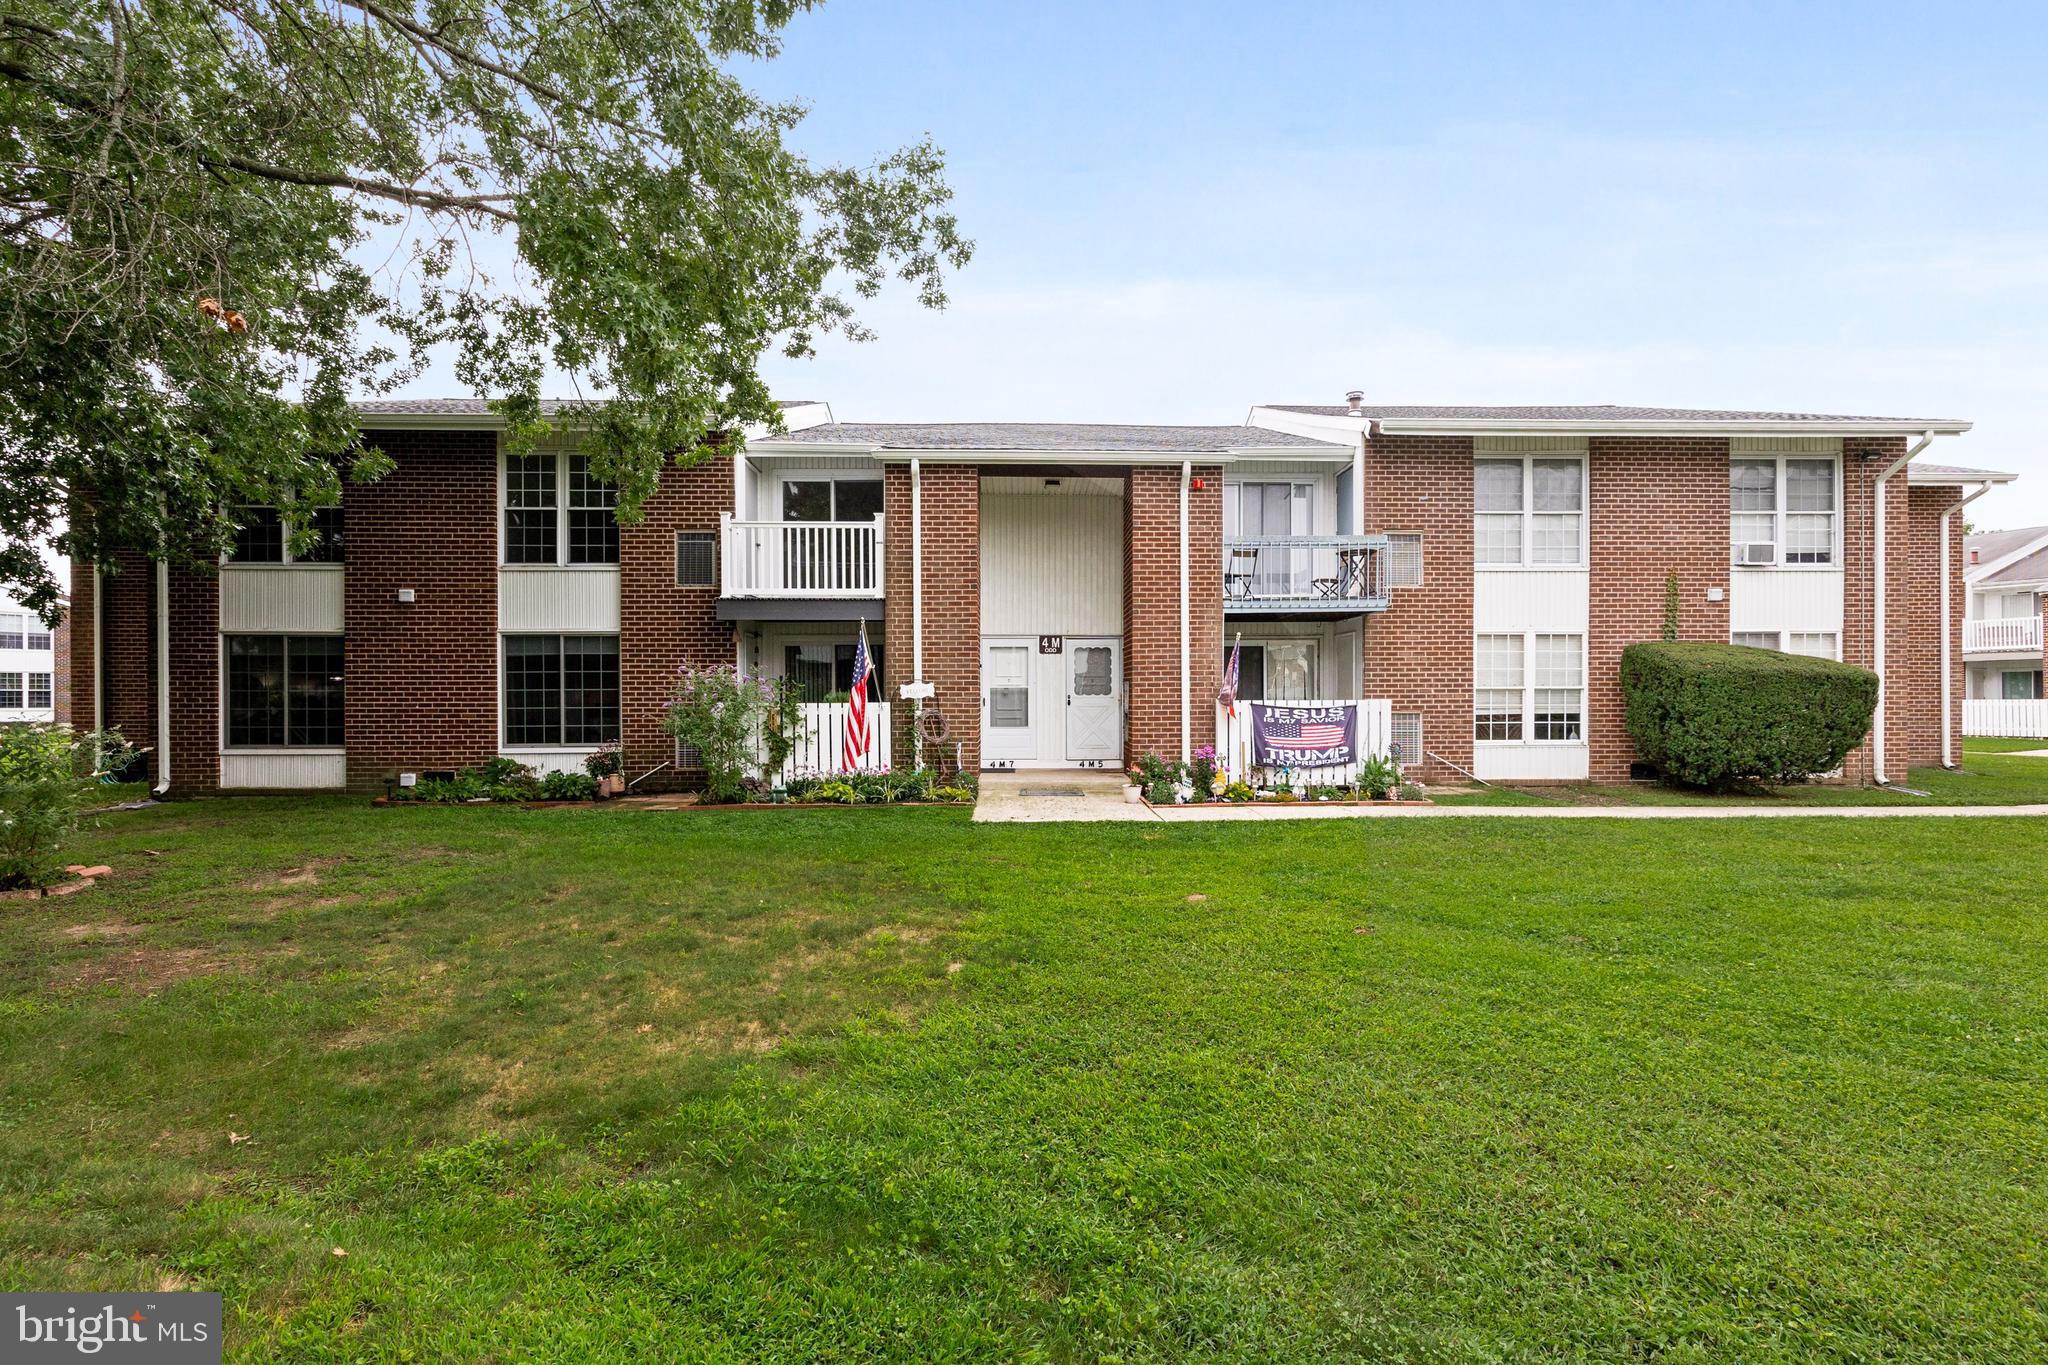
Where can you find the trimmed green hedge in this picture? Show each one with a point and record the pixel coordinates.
(1714, 715)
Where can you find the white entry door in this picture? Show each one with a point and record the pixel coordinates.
(1009, 719)
(1095, 711)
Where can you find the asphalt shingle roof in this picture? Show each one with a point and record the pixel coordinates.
(1989, 545)
(477, 407)
(1598, 412)
(2032, 569)
(1955, 473)
(1051, 437)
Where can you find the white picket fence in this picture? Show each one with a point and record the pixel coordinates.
(820, 747)
(1994, 719)
(1375, 731)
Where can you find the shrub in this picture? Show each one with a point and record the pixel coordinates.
(956, 795)
(1202, 771)
(568, 787)
(1378, 777)
(1712, 715)
(742, 728)
(47, 775)
(836, 791)
(1238, 791)
(1159, 778)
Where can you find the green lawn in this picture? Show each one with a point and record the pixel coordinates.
(1991, 774)
(595, 1084)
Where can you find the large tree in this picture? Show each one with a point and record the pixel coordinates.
(222, 219)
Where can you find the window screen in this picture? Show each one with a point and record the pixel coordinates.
(1560, 699)
(696, 565)
(1091, 670)
(1497, 687)
(1404, 560)
(1755, 639)
(1406, 738)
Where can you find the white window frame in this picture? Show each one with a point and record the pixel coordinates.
(19, 627)
(220, 673)
(19, 686)
(1781, 641)
(561, 510)
(1528, 514)
(782, 482)
(1779, 512)
(49, 681)
(1530, 686)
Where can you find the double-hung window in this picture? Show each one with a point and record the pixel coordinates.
(11, 624)
(1782, 509)
(561, 690)
(1815, 644)
(283, 691)
(1529, 510)
(558, 512)
(263, 537)
(10, 692)
(1529, 686)
(42, 693)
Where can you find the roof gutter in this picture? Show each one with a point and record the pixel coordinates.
(1430, 426)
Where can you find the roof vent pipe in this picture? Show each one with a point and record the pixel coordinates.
(1355, 400)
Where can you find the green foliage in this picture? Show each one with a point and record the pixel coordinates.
(540, 186)
(608, 758)
(48, 775)
(1160, 778)
(568, 787)
(1712, 715)
(1239, 790)
(1670, 608)
(955, 795)
(742, 728)
(838, 792)
(1379, 777)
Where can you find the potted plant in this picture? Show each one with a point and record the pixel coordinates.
(1134, 789)
(606, 767)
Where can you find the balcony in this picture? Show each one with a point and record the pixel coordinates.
(2002, 635)
(1304, 575)
(790, 570)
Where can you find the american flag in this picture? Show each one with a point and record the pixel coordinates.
(1227, 698)
(1317, 735)
(856, 745)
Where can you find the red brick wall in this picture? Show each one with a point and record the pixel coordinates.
(1152, 607)
(195, 681)
(80, 651)
(1919, 675)
(661, 624)
(952, 602)
(423, 675)
(1658, 507)
(128, 629)
(1418, 653)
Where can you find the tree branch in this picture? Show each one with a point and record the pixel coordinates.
(487, 204)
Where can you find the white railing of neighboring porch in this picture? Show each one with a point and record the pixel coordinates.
(821, 745)
(1375, 735)
(802, 558)
(1994, 634)
(1995, 719)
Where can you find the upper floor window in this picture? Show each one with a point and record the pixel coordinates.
(558, 512)
(1529, 510)
(261, 537)
(1256, 510)
(11, 629)
(1782, 510)
(831, 499)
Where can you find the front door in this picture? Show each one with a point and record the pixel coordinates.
(1095, 712)
(1009, 725)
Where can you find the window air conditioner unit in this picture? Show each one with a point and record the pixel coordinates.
(1757, 552)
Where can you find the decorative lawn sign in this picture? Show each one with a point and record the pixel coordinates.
(1318, 736)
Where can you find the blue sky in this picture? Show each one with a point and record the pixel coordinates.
(1182, 209)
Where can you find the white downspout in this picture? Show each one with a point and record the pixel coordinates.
(163, 676)
(1879, 593)
(1948, 686)
(1358, 488)
(916, 569)
(1186, 472)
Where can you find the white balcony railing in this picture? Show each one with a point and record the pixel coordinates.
(802, 558)
(2002, 635)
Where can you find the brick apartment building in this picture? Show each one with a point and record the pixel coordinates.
(35, 673)
(1067, 592)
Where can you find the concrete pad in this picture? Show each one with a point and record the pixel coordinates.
(1305, 811)
(1053, 795)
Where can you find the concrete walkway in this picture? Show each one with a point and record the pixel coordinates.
(1051, 797)
(1057, 794)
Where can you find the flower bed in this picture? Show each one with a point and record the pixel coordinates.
(1202, 780)
(500, 780)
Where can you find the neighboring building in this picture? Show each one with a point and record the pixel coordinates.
(34, 670)
(2004, 642)
(1068, 592)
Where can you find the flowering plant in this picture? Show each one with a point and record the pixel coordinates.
(605, 761)
(743, 728)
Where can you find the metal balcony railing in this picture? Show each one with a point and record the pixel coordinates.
(1305, 574)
